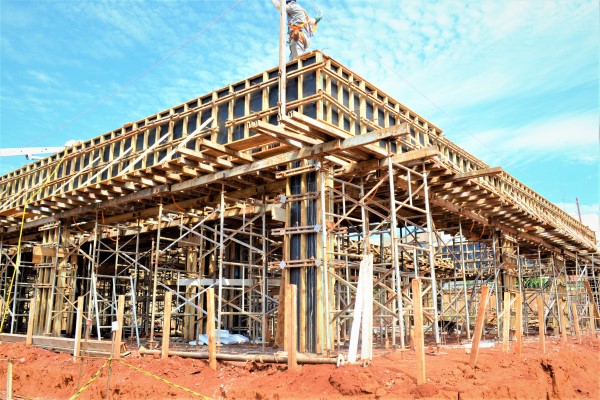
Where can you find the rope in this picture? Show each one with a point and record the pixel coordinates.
(12, 280)
(92, 379)
(164, 380)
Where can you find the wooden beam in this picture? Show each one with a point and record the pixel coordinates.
(78, 326)
(542, 323)
(476, 174)
(291, 326)
(119, 332)
(485, 289)
(166, 337)
(506, 322)
(31, 321)
(418, 328)
(210, 328)
(576, 322)
(593, 304)
(519, 323)
(331, 147)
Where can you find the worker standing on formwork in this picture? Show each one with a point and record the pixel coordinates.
(300, 27)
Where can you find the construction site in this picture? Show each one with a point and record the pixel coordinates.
(277, 226)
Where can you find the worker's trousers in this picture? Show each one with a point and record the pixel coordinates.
(297, 48)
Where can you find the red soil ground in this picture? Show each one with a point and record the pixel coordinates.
(568, 370)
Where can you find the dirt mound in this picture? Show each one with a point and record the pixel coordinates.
(568, 370)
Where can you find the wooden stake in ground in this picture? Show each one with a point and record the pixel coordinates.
(542, 323)
(119, 332)
(166, 338)
(519, 323)
(419, 339)
(479, 324)
(9, 380)
(576, 322)
(30, 322)
(210, 328)
(506, 322)
(291, 326)
(79, 320)
(592, 320)
(563, 320)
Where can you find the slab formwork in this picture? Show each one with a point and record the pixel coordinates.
(222, 192)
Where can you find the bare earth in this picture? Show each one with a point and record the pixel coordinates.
(568, 371)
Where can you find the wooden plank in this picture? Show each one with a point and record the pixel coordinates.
(519, 323)
(225, 150)
(31, 322)
(78, 322)
(119, 332)
(564, 321)
(479, 324)
(592, 319)
(166, 337)
(291, 326)
(593, 305)
(9, 380)
(418, 328)
(506, 322)
(366, 347)
(210, 328)
(476, 174)
(307, 152)
(541, 323)
(357, 313)
(576, 322)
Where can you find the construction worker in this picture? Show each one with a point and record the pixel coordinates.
(300, 27)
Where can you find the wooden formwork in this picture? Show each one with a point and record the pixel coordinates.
(205, 168)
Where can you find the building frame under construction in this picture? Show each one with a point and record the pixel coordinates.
(224, 192)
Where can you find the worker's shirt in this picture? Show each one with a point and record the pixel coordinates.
(296, 14)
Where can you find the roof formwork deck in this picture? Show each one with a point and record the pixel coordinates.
(221, 188)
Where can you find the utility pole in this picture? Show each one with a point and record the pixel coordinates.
(282, 69)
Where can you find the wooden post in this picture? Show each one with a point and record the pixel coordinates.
(592, 320)
(519, 323)
(479, 324)
(119, 332)
(166, 337)
(291, 326)
(210, 328)
(542, 324)
(30, 322)
(593, 305)
(9, 381)
(506, 322)
(563, 320)
(419, 338)
(576, 321)
(78, 321)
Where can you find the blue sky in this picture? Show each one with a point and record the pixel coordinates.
(513, 82)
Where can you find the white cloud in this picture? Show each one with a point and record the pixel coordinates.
(590, 215)
(565, 137)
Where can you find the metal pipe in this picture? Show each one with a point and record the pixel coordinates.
(464, 278)
(394, 243)
(155, 280)
(261, 358)
(220, 261)
(282, 66)
(436, 328)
